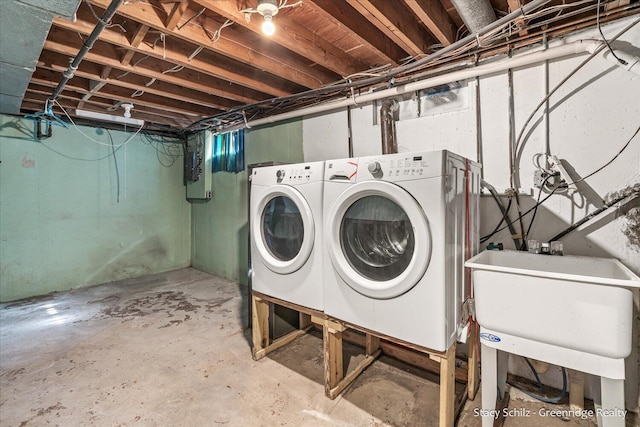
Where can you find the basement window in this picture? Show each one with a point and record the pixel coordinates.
(228, 152)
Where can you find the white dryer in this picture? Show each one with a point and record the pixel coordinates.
(398, 229)
(286, 232)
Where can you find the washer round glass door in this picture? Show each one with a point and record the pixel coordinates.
(378, 239)
(283, 229)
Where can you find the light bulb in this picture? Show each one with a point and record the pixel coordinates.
(267, 26)
(127, 110)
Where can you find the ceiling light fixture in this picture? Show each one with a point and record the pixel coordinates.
(268, 8)
(110, 118)
(127, 109)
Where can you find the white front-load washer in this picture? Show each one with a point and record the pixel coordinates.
(398, 229)
(286, 232)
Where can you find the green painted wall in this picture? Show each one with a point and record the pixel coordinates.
(220, 230)
(61, 225)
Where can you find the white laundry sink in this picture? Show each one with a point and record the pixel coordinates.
(580, 303)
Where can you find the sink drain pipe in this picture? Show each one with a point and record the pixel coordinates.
(388, 112)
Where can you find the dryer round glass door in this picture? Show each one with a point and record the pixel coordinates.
(378, 240)
(283, 229)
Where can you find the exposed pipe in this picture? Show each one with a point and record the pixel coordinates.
(575, 48)
(622, 199)
(621, 59)
(388, 126)
(88, 44)
(476, 14)
(350, 133)
(534, 4)
(505, 215)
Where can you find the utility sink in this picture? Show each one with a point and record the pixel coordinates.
(580, 303)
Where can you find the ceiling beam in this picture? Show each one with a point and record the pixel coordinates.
(138, 37)
(176, 13)
(233, 44)
(89, 70)
(119, 94)
(367, 34)
(33, 101)
(174, 56)
(148, 69)
(436, 18)
(513, 6)
(292, 36)
(397, 23)
(41, 90)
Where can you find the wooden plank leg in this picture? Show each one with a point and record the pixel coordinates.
(333, 363)
(473, 366)
(372, 344)
(448, 387)
(305, 320)
(351, 376)
(260, 326)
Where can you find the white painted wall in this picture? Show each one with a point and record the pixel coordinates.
(592, 117)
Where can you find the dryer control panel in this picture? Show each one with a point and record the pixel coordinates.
(400, 167)
(299, 173)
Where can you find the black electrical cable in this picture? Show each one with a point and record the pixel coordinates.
(590, 216)
(545, 399)
(520, 140)
(170, 149)
(533, 207)
(389, 76)
(535, 210)
(621, 61)
(505, 214)
(115, 162)
(610, 161)
(512, 230)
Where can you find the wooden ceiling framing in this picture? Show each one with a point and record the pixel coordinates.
(179, 61)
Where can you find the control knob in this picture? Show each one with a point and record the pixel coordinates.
(375, 168)
(280, 174)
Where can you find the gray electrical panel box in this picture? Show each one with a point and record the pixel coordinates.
(198, 165)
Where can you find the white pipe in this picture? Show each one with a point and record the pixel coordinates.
(574, 48)
(631, 63)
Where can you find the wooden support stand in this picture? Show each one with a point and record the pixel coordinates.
(335, 380)
(262, 344)
(335, 331)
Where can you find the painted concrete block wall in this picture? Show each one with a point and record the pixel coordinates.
(591, 118)
(61, 225)
(219, 226)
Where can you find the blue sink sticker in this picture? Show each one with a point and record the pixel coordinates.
(489, 337)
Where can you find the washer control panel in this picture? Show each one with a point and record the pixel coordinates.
(396, 166)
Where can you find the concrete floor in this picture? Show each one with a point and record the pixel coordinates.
(173, 349)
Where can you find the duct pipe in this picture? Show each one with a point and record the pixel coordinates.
(88, 44)
(476, 14)
(388, 126)
(575, 48)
